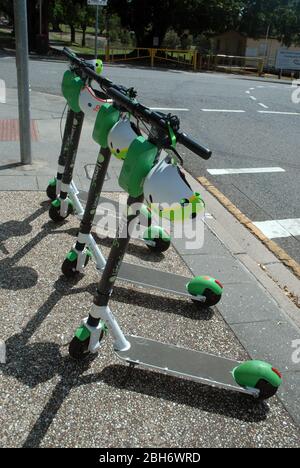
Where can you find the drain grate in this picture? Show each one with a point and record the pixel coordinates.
(9, 130)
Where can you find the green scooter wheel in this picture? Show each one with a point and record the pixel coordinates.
(211, 299)
(266, 390)
(159, 246)
(79, 350)
(68, 268)
(51, 192)
(157, 239)
(55, 216)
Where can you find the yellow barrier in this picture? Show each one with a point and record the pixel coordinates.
(186, 58)
(180, 57)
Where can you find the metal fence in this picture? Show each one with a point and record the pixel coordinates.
(190, 59)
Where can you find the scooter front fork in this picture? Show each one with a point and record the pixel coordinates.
(100, 310)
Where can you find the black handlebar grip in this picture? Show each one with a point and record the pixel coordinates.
(192, 145)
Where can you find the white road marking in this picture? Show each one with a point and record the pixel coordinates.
(247, 92)
(169, 109)
(223, 110)
(263, 105)
(251, 89)
(253, 98)
(260, 87)
(278, 113)
(279, 228)
(248, 170)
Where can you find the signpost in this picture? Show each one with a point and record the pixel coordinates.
(288, 60)
(97, 3)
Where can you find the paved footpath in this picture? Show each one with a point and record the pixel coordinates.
(46, 400)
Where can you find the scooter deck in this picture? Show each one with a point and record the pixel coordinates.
(182, 362)
(155, 279)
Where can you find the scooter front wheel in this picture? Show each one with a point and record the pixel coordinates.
(69, 267)
(79, 350)
(51, 191)
(55, 216)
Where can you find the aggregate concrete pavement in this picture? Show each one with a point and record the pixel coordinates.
(49, 401)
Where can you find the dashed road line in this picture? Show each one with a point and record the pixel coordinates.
(169, 109)
(263, 105)
(248, 170)
(278, 113)
(253, 98)
(275, 229)
(224, 110)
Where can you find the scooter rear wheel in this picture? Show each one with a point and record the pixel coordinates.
(211, 299)
(266, 390)
(161, 245)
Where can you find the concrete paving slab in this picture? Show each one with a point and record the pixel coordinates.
(208, 243)
(248, 302)
(20, 182)
(271, 341)
(225, 268)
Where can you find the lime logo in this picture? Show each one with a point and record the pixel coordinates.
(2, 352)
(101, 158)
(2, 92)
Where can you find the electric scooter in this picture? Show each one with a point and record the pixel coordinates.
(202, 290)
(140, 173)
(82, 99)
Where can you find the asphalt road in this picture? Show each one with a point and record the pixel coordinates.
(262, 133)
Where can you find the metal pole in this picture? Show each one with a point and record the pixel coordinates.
(41, 17)
(266, 52)
(20, 11)
(96, 32)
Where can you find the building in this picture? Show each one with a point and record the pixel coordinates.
(235, 44)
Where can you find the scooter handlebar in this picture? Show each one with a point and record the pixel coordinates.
(118, 94)
(192, 145)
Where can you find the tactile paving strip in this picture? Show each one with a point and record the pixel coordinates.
(9, 130)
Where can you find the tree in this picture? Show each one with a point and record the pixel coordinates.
(147, 18)
(7, 8)
(152, 18)
(171, 40)
(280, 17)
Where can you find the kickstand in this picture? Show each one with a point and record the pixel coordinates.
(127, 374)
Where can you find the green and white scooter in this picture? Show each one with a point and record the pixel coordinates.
(74, 81)
(83, 100)
(202, 290)
(141, 170)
